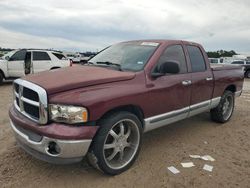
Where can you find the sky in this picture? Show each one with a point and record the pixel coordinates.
(80, 25)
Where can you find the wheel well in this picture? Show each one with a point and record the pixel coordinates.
(136, 110)
(231, 88)
(1, 72)
(55, 68)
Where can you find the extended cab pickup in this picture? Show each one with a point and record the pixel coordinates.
(102, 109)
(19, 63)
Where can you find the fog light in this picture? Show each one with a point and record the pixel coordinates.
(53, 148)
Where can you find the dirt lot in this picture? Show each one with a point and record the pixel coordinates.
(229, 144)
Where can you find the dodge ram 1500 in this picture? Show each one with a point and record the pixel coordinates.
(102, 109)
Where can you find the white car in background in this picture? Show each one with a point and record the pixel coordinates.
(79, 57)
(246, 66)
(19, 63)
(214, 60)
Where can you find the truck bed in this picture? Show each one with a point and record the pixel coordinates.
(218, 67)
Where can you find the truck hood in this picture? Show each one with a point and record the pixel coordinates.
(64, 79)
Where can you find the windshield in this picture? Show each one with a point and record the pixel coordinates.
(131, 56)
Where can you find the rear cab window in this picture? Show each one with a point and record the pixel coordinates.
(40, 56)
(197, 60)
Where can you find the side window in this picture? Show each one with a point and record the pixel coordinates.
(196, 58)
(238, 62)
(40, 56)
(18, 56)
(59, 56)
(175, 53)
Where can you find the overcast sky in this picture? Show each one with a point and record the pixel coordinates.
(81, 25)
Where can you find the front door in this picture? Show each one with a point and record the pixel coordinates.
(171, 94)
(16, 64)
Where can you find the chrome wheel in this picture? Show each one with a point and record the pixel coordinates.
(248, 74)
(227, 108)
(121, 144)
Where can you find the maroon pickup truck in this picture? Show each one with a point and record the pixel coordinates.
(101, 109)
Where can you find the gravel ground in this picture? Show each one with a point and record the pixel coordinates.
(169, 146)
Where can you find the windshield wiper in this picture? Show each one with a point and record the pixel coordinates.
(110, 63)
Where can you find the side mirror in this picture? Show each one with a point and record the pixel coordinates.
(168, 67)
(7, 58)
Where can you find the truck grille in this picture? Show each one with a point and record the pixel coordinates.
(31, 101)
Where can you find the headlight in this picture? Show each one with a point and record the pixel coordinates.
(68, 114)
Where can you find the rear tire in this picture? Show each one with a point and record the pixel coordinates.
(223, 112)
(116, 144)
(247, 74)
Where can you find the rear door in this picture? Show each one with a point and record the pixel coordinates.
(202, 80)
(16, 64)
(41, 61)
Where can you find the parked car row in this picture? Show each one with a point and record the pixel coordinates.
(243, 63)
(79, 57)
(28, 61)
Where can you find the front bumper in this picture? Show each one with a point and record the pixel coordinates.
(70, 151)
(72, 142)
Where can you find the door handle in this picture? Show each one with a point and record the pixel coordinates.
(186, 82)
(209, 78)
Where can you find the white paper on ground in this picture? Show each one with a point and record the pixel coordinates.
(205, 157)
(208, 168)
(173, 170)
(187, 165)
(195, 156)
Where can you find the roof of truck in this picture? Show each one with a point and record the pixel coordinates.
(164, 41)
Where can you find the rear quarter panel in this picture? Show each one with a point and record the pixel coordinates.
(224, 77)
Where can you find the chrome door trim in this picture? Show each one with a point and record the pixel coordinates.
(199, 108)
(161, 120)
(165, 119)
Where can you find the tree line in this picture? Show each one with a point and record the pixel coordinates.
(221, 53)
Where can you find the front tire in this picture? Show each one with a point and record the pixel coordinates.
(117, 143)
(223, 112)
(1, 78)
